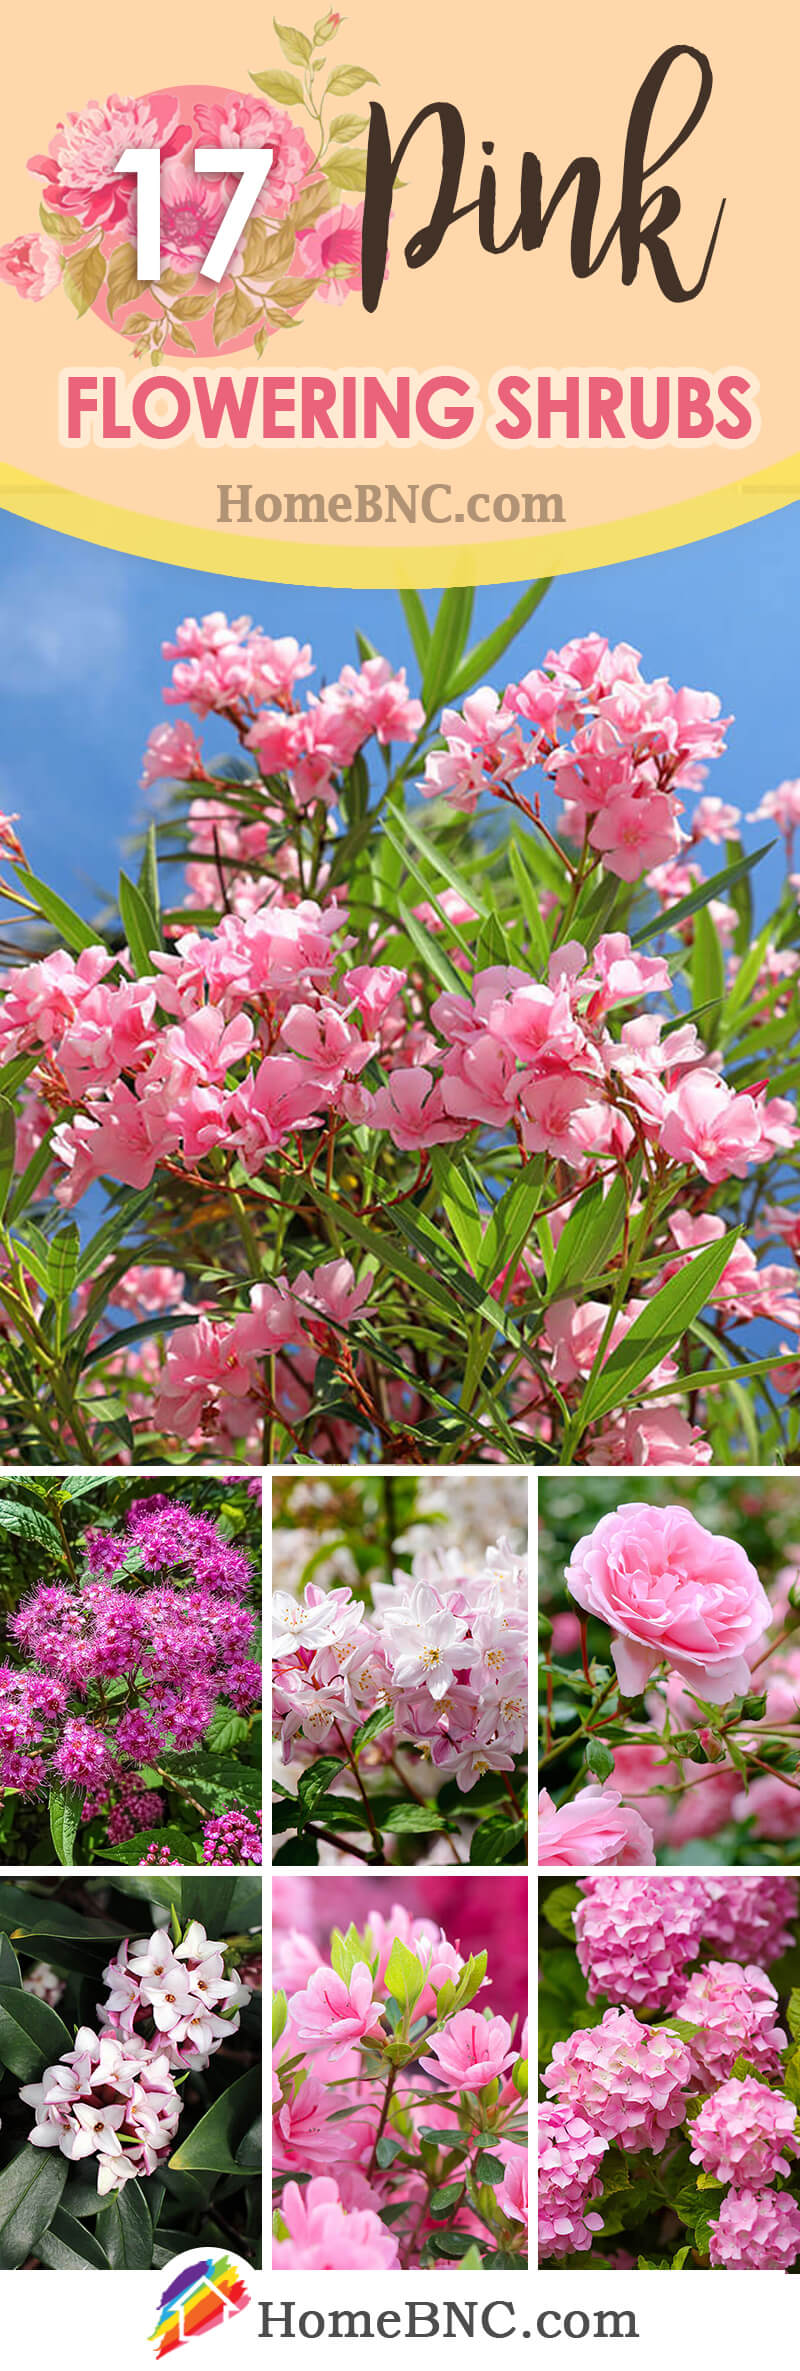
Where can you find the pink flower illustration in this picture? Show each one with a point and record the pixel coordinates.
(330, 250)
(245, 122)
(79, 168)
(31, 264)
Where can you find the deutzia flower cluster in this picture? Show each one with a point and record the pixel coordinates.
(114, 2096)
(443, 1648)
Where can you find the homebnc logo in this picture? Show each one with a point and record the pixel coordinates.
(200, 2297)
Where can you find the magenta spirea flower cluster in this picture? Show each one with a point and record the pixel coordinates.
(233, 1837)
(181, 1643)
(630, 2083)
(332, 2055)
(113, 2096)
(444, 1645)
(637, 1938)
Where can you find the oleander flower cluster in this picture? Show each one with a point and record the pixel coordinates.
(114, 2096)
(695, 1731)
(302, 239)
(399, 2126)
(673, 2110)
(119, 1672)
(444, 1140)
(389, 1704)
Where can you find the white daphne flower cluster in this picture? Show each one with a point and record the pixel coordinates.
(114, 2095)
(445, 1646)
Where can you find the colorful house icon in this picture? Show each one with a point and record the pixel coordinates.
(200, 2297)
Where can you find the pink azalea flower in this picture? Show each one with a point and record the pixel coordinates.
(470, 2051)
(331, 2014)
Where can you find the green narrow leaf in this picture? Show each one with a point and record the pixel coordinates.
(591, 1233)
(65, 1807)
(140, 926)
(449, 633)
(62, 1265)
(431, 951)
(31, 2034)
(9, 1963)
(76, 934)
(213, 2144)
(30, 2189)
(719, 885)
(418, 626)
(8, 1146)
(68, 2247)
(110, 1234)
(511, 1222)
(125, 2231)
(529, 901)
(458, 1200)
(707, 971)
(484, 655)
(655, 1331)
(401, 828)
(30, 1178)
(148, 873)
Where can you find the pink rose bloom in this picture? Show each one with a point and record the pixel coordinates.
(31, 264)
(323, 2237)
(472, 2051)
(671, 1593)
(335, 2015)
(79, 169)
(330, 251)
(595, 1827)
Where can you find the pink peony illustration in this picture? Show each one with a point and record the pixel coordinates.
(253, 123)
(79, 167)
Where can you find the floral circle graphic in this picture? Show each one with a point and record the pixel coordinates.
(302, 240)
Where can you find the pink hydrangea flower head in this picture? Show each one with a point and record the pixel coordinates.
(628, 2080)
(637, 1937)
(595, 1827)
(671, 1592)
(756, 2231)
(750, 1916)
(745, 2134)
(734, 2009)
(570, 2152)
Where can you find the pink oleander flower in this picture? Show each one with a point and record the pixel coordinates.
(31, 264)
(756, 2231)
(570, 2152)
(671, 1592)
(172, 753)
(734, 2009)
(596, 1826)
(332, 2015)
(628, 2080)
(324, 2237)
(637, 1936)
(470, 2051)
(722, 1133)
(745, 2134)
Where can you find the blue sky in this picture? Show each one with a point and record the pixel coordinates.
(81, 672)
